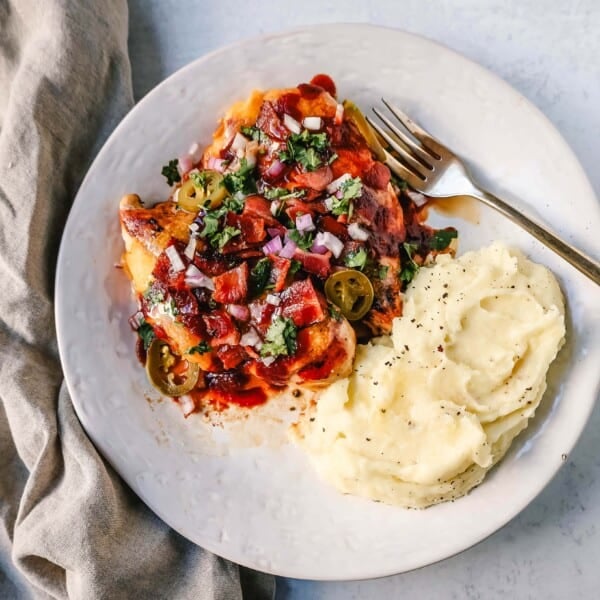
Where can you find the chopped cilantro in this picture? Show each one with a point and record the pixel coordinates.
(241, 180)
(201, 179)
(259, 276)
(282, 193)
(441, 239)
(171, 172)
(256, 134)
(410, 267)
(221, 238)
(350, 189)
(382, 271)
(170, 308)
(334, 312)
(303, 240)
(201, 348)
(400, 183)
(356, 259)
(280, 339)
(305, 148)
(153, 295)
(146, 334)
(294, 267)
(211, 224)
(234, 204)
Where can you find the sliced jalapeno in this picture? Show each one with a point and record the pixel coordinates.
(162, 371)
(352, 112)
(202, 189)
(351, 291)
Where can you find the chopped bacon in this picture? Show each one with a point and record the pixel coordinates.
(303, 304)
(252, 227)
(221, 328)
(295, 207)
(269, 122)
(319, 264)
(261, 313)
(213, 264)
(232, 286)
(316, 180)
(288, 104)
(378, 176)
(279, 271)
(332, 225)
(231, 356)
(258, 207)
(325, 82)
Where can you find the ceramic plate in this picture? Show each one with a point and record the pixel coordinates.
(242, 492)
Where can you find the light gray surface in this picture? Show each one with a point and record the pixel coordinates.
(547, 50)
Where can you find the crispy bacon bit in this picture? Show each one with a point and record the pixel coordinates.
(279, 272)
(378, 176)
(252, 227)
(318, 264)
(316, 180)
(231, 356)
(213, 264)
(325, 82)
(221, 328)
(258, 207)
(303, 304)
(269, 122)
(333, 226)
(232, 286)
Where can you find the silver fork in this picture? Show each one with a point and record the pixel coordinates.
(431, 168)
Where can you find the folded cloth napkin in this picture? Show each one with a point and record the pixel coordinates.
(70, 527)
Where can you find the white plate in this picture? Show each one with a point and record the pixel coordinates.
(263, 506)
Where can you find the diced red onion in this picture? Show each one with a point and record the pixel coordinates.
(273, 231)
(136, 320)
(288, 249)
(194, 227)
(275, 207)
(239, 311)
(268, 360)
(273, 299)
(187, 404)
(195, 152)
(312, 123)
(239, 143)
(330, 242)
(291, 123)
(357, 233)
(339, 114)
(195, 278)
(273, 246)
(329, 202)
(184, 163)
(216, 164)
(190, 249)
(336, 183)
(176, 263)
(418, 198)
(276, 168)
(251, 338)
(305, 223)
(318, 249)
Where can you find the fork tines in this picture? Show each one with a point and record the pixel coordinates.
(417, 155)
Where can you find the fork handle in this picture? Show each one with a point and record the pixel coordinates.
(578, 259)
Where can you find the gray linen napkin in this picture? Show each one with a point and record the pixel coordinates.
(70, 527)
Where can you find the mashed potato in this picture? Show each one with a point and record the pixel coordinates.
(427, 412)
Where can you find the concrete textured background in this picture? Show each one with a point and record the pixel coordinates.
(550, 52)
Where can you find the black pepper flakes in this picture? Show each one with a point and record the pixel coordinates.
(440, 348)
(368, 439)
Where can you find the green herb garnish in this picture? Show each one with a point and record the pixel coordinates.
(241, 180)
(200, 179)
(171, 172)
(294, 267)
(357, 259)
(153, 295)
(350, 189)
(221, 238)
(441, 239)
(382, 271)
(201, 348)
(305, 148)
(256, 134)
(303, 240)
(410, 267)
(259, 276)
(146, 334)
(280, 339)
